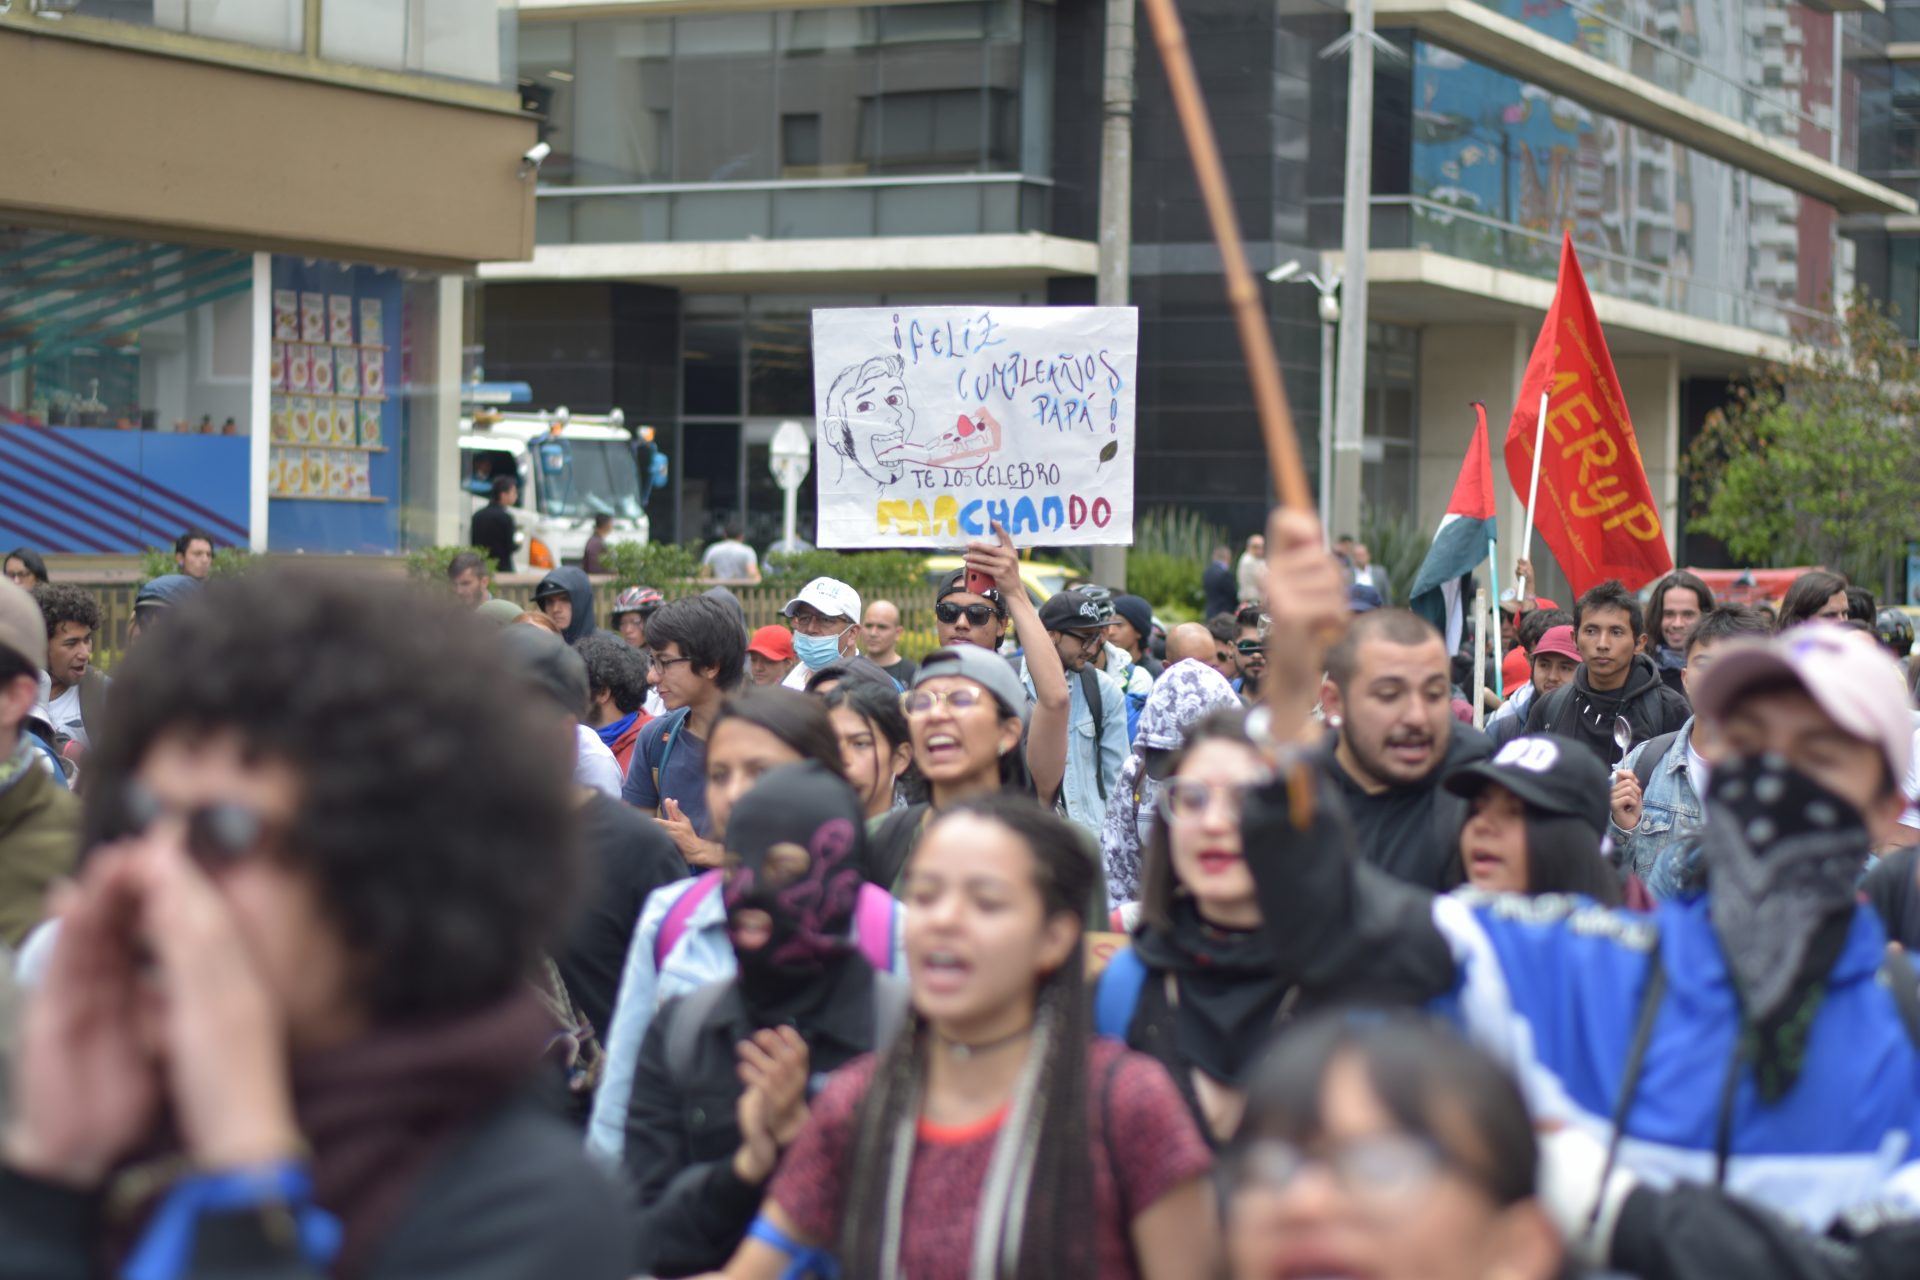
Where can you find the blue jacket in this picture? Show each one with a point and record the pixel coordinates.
(1552, 986)
(1670, 813)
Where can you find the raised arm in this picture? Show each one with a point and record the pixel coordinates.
(1047, 730)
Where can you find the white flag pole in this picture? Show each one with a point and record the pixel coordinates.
(1533, 490)
(1479, 658)
(1493, 582)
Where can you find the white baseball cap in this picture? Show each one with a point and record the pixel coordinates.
(832, 597)
(1844, 671)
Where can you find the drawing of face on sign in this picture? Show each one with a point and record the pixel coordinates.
(870, 418)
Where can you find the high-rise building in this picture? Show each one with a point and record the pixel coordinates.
(717, 173)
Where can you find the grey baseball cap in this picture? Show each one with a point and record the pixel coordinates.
(22, 628)
(985, 668)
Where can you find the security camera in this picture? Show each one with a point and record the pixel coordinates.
(1284, 272)
(530, 162)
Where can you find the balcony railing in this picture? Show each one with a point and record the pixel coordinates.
(1414, 222)
(802, 209)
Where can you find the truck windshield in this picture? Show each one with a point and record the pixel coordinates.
(587, 478)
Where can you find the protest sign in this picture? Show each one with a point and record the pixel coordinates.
(937, 422)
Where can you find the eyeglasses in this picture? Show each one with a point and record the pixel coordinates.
(1384, 1171)
(1085, 639)
(1187, 799)
(660, 662)
(818, 624)
(217, 835)
(20, 577)
(977, 614)
(1250, 647)
(922, 701)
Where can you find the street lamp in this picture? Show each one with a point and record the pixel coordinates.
(1329, 290)
(791, 457)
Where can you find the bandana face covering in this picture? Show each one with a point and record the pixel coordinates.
(1782, 854)
(799, 810)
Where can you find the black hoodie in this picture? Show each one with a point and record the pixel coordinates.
(1577, 711)
(574, 582)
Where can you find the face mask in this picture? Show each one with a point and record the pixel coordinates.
(1782, 855)
(801, 807)
(818, 652)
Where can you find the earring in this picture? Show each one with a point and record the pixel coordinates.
(1333, 722)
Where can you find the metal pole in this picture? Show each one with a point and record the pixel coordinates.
(1349, 418)
(1326, 421)
(1116, 208)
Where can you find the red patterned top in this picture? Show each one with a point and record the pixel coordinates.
(1154, 1149)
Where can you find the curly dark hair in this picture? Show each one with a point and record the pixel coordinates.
(1610, 595)
(437, 826)
(59, 602)
(616, 666)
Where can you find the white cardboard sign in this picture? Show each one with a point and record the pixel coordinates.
(937, 422)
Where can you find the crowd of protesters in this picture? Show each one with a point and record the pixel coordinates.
(365, 931)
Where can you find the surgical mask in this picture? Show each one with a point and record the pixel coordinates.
(818, 652)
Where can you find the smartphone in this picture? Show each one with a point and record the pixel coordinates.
(978, 583)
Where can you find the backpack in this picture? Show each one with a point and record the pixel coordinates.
(1117, 994)
(690, 1015)
(1651, 755)
(668, 733)
(872, 922)
(1090, 689)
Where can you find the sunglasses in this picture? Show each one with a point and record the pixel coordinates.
(1085, 639)
(1250, 647)
(217, 835)
(976, 614)
(922, 701)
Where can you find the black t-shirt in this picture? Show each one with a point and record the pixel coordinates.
(902, 671)
(492, 532)
(1891, 891)
(628, 856)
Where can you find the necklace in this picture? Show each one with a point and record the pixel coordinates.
(961, 1051)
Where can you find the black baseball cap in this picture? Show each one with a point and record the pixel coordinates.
(1556, 776)
(1074, 610)
(956, 582)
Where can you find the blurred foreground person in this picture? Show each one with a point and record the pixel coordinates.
(39, 824)
(1384, 1148)
(286, 1028)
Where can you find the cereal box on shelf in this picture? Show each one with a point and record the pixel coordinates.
(339, 473)
(276, 484)
(286, 315)
(370, 424)
(361, 485)
(322, 370)
(339, 318)
(281, 427)
(372, 332)
(316, 472)
(277, 366)
(373, 373)
(313, 317)
(299, 367)
(302, 423)
(322, 422)
(346, 371)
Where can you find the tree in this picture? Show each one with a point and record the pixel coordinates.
(1817, 460)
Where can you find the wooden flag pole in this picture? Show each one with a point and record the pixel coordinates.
(1256, 341)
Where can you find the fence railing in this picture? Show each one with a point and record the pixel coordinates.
(762, 605)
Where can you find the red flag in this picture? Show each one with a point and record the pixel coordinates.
(1596, 509)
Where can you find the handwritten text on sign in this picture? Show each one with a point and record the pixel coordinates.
(937, 422)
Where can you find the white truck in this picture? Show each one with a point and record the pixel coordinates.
(570, 468)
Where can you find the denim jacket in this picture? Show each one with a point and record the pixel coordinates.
(1657, 850)
(1089, 761)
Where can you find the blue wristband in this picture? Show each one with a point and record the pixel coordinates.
(166, 1248)
(806, 1261)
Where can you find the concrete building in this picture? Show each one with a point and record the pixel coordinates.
(239, 223)
(719, 169)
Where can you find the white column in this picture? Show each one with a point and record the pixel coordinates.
(259, 402)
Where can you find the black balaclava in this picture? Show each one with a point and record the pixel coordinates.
(809, 956)
(1782, 855)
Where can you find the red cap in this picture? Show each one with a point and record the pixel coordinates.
(1515, 668)
(772, 642)
(1558, 640)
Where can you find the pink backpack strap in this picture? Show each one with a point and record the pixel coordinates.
(873, 926)
(676, 922)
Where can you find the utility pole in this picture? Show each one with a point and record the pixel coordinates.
(1116, 209)
(1349, 417)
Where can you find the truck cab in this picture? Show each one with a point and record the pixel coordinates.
(570, 468)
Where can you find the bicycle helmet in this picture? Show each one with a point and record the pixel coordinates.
(641, 600)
